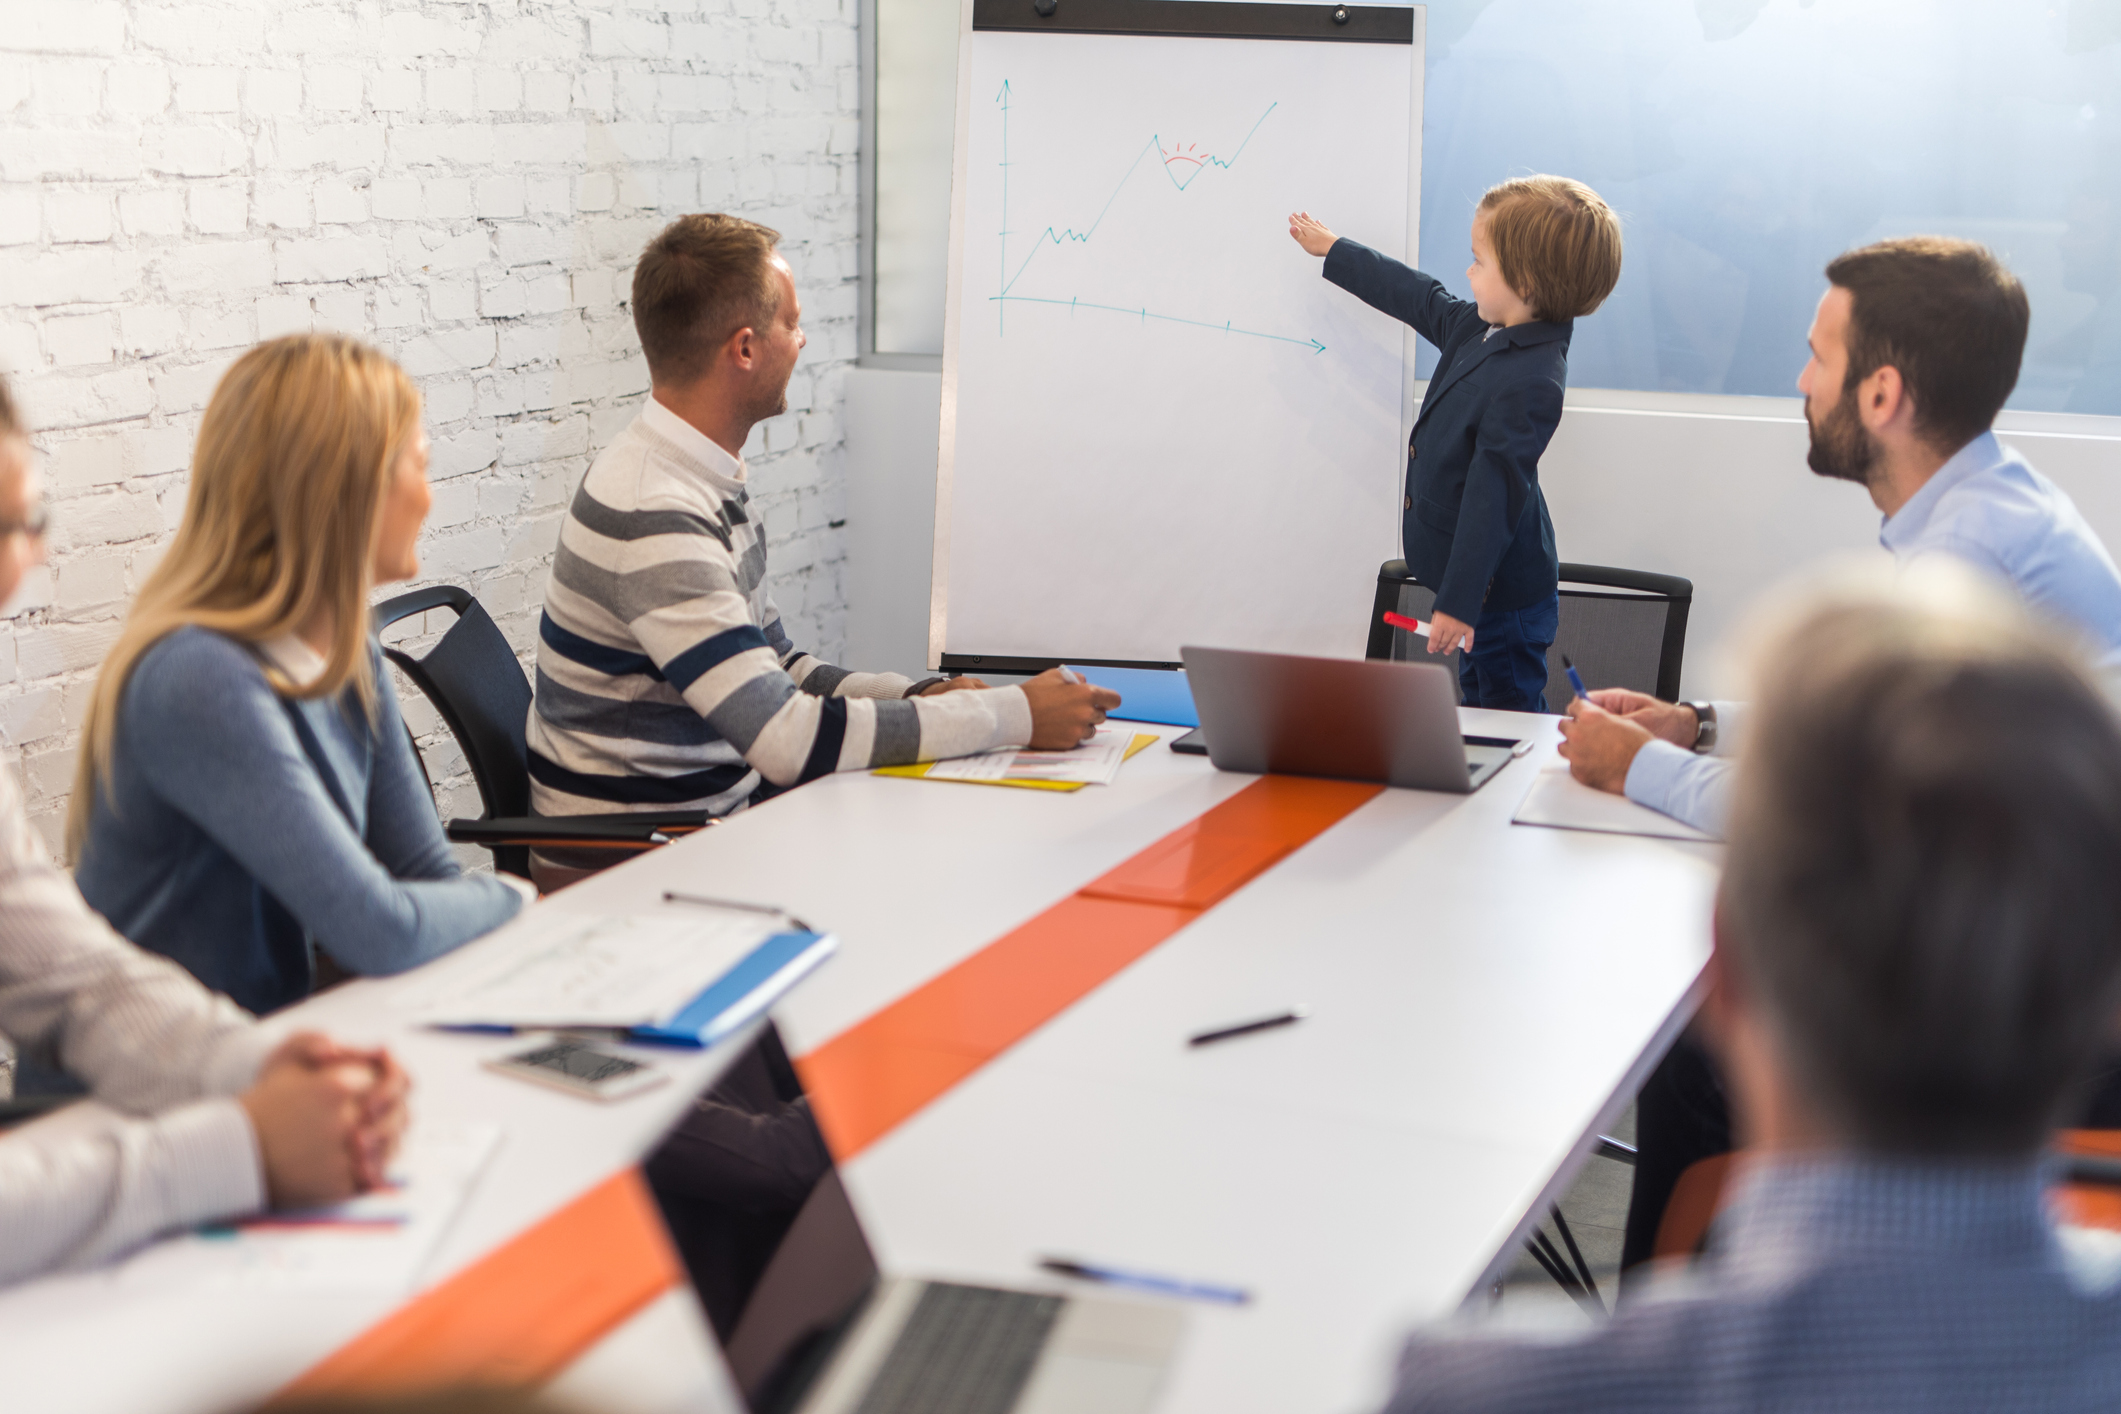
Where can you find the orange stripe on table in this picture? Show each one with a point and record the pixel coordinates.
(532, 1307)
(877, 1074)
(521, 1314)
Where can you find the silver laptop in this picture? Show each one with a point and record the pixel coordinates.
(1359, 720)
(807, 1323)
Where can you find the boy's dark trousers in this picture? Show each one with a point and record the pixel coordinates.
(1507, 668)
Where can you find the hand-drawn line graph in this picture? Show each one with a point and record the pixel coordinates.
(1183, 164)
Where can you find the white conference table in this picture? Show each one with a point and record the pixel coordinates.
(1482, 997)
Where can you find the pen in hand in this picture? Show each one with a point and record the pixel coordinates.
(1576, 679)
(1420, 626)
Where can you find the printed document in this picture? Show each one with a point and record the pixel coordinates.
(1095, 763)
(552, 968)
(376, 1242)
(1560, 801)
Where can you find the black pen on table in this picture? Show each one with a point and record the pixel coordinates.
(675, 896)
(1246, 1028)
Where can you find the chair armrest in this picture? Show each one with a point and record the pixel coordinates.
(664, 820)
(419, 601)
(572, 831)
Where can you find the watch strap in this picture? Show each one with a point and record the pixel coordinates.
(1704, 726)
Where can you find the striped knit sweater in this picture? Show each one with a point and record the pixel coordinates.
(664, 678)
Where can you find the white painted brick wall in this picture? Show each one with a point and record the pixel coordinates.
(465, 184)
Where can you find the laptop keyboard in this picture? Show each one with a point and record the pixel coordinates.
(964, 1350)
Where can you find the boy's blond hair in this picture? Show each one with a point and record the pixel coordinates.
(1556, 242)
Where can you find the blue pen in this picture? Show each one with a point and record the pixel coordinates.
(1575, 678)
(1141, 1281)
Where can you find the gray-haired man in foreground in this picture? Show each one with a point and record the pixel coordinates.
(1917, 955)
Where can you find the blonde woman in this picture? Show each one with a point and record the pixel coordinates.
(247, 796)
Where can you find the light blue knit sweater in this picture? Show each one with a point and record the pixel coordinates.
(240, 831)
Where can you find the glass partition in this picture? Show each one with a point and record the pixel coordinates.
(1744, 142)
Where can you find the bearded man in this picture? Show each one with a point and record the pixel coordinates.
(1915, 347)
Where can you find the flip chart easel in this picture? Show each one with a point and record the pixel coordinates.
(1160, 426)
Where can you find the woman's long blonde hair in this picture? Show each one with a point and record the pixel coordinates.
(287, 484)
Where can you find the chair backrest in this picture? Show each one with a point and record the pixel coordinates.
(1623, 628)
(1696, 1199)
(473, 679)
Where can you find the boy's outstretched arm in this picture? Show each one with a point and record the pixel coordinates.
(1310, 233)
(1383, 283)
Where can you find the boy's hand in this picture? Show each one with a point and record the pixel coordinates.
(1447, 633)
(1310, 233)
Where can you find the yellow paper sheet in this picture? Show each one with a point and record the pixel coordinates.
(1142, 742)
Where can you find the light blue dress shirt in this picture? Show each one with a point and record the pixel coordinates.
(1987, 507)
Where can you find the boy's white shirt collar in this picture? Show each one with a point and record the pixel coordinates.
(301, 663)
(691, 441)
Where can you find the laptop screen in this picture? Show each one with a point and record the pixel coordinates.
(768, 1237)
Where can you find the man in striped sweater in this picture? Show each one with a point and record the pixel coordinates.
(665, 680)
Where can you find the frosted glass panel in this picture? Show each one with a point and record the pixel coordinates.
(1746, 142)
(916, 115)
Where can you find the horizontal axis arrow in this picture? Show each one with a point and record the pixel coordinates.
(1143, 314)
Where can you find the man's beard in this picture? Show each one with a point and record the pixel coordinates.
(1840, 447)
(770, 405)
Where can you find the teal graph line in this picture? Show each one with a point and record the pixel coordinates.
(1190, 154)
(1142, 314)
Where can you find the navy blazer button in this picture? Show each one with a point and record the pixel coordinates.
(1410, 503)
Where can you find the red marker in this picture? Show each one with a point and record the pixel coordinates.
(1410, 625)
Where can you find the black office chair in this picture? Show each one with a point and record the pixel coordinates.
(1622, 628)
(473, 679)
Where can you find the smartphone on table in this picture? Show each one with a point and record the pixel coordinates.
(572, 1064)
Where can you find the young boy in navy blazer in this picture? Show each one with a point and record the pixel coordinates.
(1475, 526)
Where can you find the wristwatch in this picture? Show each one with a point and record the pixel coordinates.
(1704, 726)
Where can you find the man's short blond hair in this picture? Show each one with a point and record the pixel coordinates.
(1556, 242)
(699, 281)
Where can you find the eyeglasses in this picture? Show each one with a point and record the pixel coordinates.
(33, 525)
